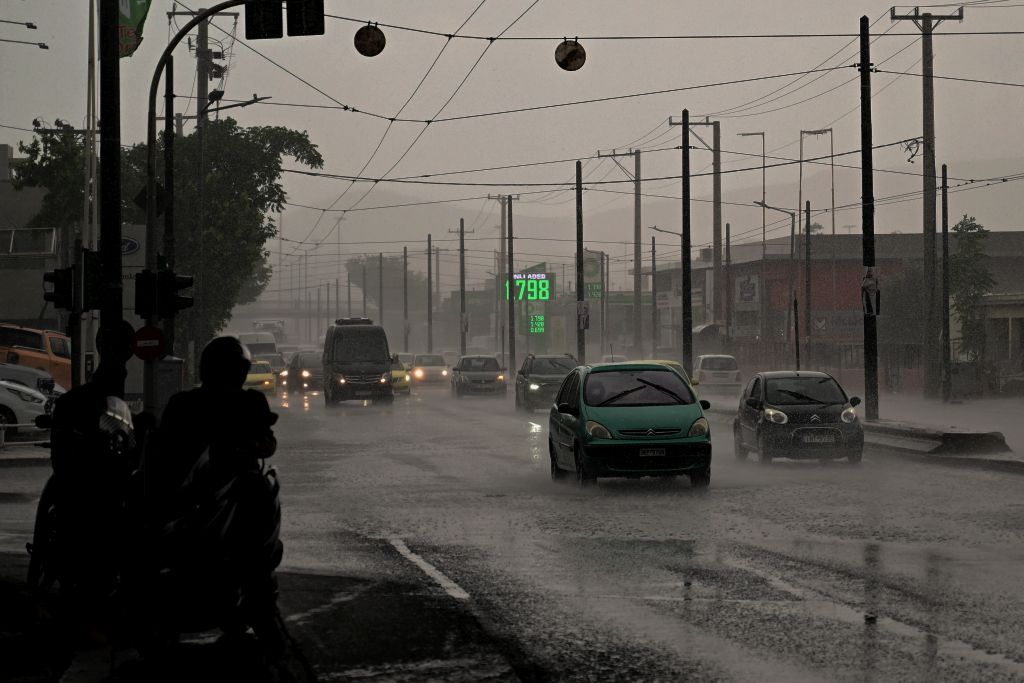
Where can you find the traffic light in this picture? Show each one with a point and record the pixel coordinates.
(169, 302)
(91, 280)
(305, 17)
(145, 294)
(263, 20)
(62, 294)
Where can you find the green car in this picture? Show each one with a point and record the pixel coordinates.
(628, 420)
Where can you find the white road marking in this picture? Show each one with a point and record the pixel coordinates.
(450, 587)
(335, 600)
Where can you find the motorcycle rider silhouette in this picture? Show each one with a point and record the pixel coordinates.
(214, 509)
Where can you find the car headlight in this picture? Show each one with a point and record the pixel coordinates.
(266, 382)
(385, 378)
(534, 387)
(284, 373)
(444, 373)
(501, 378)
(849, 415)
(776, 416)
(699, 427)
(418, 373)
(341, 380)
(25, 396)
(306, 373)
(598, 430)
(407, 378)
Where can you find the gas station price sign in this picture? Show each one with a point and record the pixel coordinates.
(530, 287)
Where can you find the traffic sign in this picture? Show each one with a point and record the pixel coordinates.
(148, 343)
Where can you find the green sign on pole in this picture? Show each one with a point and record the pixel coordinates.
(132, 16)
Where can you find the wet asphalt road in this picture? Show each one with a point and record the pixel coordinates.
(425, 541)
(796, 571)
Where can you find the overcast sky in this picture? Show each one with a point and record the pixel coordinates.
(978, 126)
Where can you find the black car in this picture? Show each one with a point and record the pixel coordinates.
(539, 377)
(478, 375)
(797, 414)
(305, 372)
(357, 362)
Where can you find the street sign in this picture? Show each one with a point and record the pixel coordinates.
(148, 343)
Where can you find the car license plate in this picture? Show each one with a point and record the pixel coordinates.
(652, 452)
(364, 393)
(819, 438)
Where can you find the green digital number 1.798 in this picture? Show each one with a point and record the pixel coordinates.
(531, 290)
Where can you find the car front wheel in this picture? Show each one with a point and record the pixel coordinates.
(701, 480)
(557, 474)
(737, 444)
(584, 478)
(764, 454)
(854, 457)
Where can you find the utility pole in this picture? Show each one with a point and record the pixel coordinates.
(348, 285)
(463, 320)
(687, 283)
(430, 301)
(761, 288)
(511, 299)
(637, 261)
(604, 302)
(380, 287)
(501, 274)
(405, 299)
(868, 221)
(337, 297)
(716, 220)
(947, 378)
(927, 23)
(728, 288)
(110, 187)
(807, 274)
(363, 287)
(654, 299)
(581, 320)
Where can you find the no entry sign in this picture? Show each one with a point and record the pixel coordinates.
(148, 343)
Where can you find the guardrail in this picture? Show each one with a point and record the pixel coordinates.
(3, 434)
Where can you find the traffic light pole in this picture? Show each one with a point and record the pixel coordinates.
(111, 313)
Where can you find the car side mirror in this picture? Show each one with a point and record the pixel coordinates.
(564, 408)
(44, 421)
(753, 403)
(705, 404)
(855, 401)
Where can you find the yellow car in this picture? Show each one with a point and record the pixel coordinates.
(261, 377)
(401, 380)
(674, 364)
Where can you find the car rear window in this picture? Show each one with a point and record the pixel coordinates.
(10, 336)
(719, 364)
(479, 364)
(429, 360)
(636, 388)
(783, 391)
(553, 366)
(261, 367)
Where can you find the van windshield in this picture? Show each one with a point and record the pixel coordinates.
(361, 346)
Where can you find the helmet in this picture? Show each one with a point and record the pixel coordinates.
(224, 363)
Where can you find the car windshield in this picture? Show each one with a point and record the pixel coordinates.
(311, 360)
(553, 366)
(426, 359)
(636, 388)
(353, 345)
(261, 367)
(782, 391)
(276, 360)
(480, 364)
(719, 364)
(396, 364)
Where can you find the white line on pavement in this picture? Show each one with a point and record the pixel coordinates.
(450, 587)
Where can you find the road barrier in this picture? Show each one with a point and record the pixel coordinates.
(927, 440)
(3, 434)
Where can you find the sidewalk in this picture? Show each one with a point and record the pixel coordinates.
(1005, 415)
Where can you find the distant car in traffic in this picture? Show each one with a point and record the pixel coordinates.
(261, 377)
(797, 414)
(539, 377)
(478, 375)
(305, 372)
(406, 359)
(401, 380)
(356, 362)
(429, 368)
(717, 373)
(628, 420)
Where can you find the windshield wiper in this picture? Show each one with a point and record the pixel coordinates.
(665, 390)
(619, 395)
(797, 395)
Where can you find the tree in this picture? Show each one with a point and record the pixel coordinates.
(817, 228)
(54, 161)
(970, 280)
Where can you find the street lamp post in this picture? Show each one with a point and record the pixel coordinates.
(764, 236)
(684, 293)
(792, 234)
